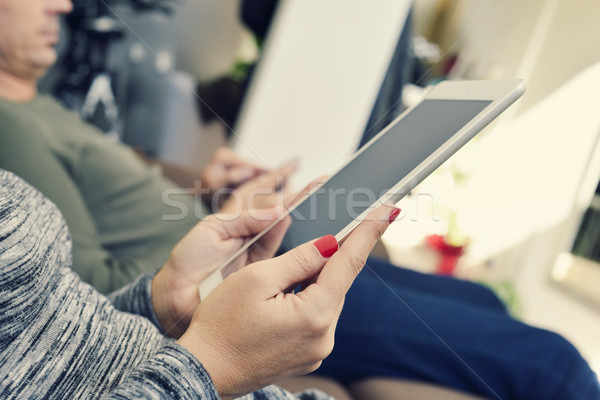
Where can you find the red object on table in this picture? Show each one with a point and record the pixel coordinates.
(449, 254)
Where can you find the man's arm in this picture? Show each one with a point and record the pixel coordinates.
(25, 151)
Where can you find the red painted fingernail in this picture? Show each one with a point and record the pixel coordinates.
(394, 214)
(327, 245)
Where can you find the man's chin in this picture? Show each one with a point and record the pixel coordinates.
(42, 63)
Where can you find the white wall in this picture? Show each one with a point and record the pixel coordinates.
(545, 42)
(317, 81)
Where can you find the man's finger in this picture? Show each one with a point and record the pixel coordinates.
(241, 173)
(274, 180)
(230, 170)
(288, 168)
(226, 157)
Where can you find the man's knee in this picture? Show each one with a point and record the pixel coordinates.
(565, 374)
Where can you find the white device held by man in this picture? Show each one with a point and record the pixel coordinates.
(391, 164)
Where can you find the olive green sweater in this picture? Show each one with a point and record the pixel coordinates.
(123, 216)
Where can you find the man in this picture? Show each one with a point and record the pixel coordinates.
(111, 200)
(411, 326)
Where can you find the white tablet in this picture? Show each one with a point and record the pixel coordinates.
(392, 163)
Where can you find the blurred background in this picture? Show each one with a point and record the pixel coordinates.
(517, 209)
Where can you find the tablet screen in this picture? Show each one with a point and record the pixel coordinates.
(380, 167)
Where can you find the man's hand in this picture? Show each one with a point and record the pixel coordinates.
(229, 184)
(210, 242)
(253, 330)
(267, 190)
(225, 171)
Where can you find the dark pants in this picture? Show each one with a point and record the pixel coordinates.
(404, 324)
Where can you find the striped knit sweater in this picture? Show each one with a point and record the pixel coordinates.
(59, 338)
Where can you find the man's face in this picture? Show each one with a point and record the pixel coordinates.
(29, 31)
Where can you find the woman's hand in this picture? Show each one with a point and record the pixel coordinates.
(253, 330)
(210, 242)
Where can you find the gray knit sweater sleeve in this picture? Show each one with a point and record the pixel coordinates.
(136, 298)
(60, 338)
